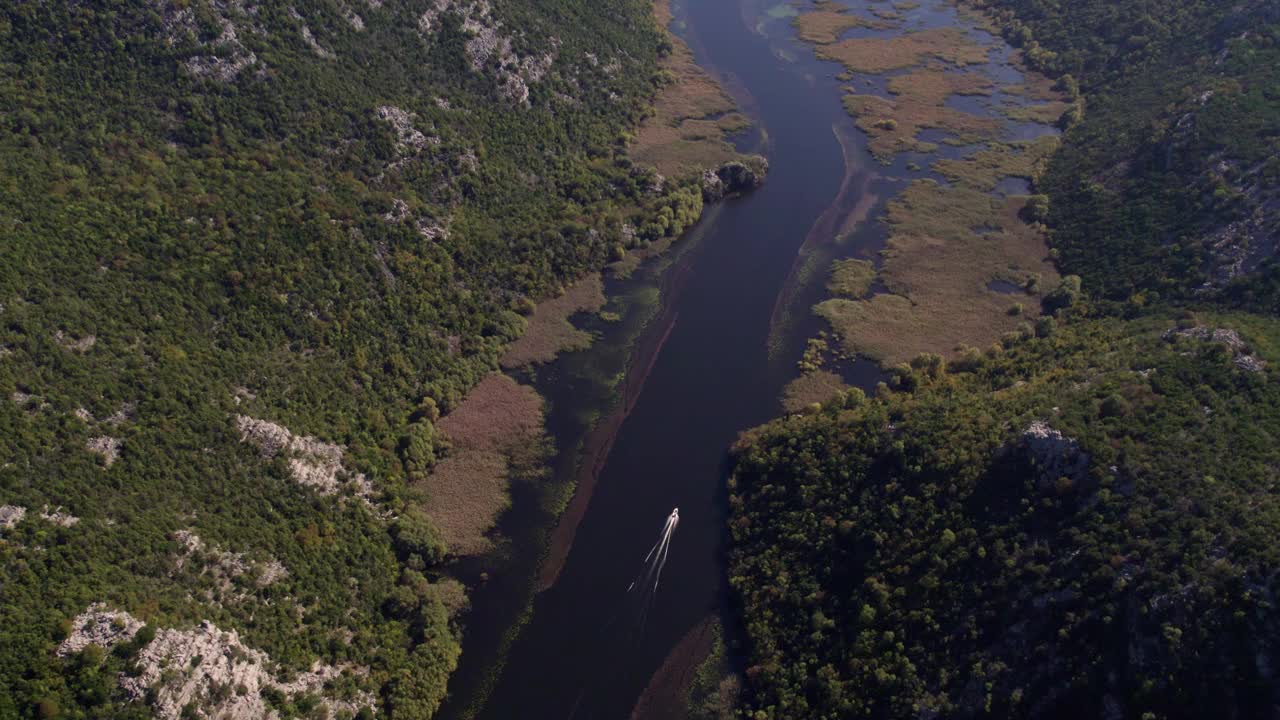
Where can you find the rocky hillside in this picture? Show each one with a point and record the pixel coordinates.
(252, 252)
(1075, 525)
(1076, 522)
(1167, 181)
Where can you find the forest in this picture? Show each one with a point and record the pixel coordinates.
(1166, 186)
(1013, 534)
(1076, 521)
(252, 252)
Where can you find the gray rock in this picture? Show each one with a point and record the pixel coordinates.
(1241, 357)
(732, 178)
(11, 515)
(1054, 454)
(712, 186)
(105, 446)
(99, 626)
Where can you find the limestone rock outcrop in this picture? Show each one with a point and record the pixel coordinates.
(1054, 455)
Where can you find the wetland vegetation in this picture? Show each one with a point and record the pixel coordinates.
(1070, 521)
(313, 319)
(950, 233)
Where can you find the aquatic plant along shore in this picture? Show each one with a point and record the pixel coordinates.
(706, 343)
(970, 129)
(1070, 520)
(588, 352)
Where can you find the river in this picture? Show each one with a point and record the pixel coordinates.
(563, 638)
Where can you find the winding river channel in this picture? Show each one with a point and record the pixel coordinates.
(709, 334)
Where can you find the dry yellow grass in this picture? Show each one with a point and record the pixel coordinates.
(692, 115)
(550, 332)
(937, 264)
(947, 243)
(984, 169)
(812, 387)
(1046, 113)
(467, 490)
(828, 20)
(919, 102)
(933, 85)
(877, 55)
(1034, 85)
(976, 18)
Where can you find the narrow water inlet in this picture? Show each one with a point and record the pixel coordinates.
(711, 379)
(598, 628)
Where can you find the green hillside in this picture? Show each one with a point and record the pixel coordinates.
(1168, 186)
(1078, 522)
(251, 252)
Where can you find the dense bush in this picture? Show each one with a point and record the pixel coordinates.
(1077, 523)
(915, 555)
(179, 249)
(1182, 114)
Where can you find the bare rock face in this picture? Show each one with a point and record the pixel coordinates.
(514, 88)
(732, 178)
(270, 572)
(108, 448)
(125, 414)
(489, 47)
(22, 399)
(1054, 455)
(101, 626)
(1227, 337)
(398, 213)
(309, 38)
(1250, 363)
(11, 515)
(81, 344)
(355, 21)
(313, 463)
(224, 565)
(219, 68)
(739, 177)
(712, 186)
(316, 47)
(429, 229)
(1241, 247)
(223, 58)
(214, 671)
(428, 21)
(409, 140)
(58, 517)
(205, 668)
(1239, 349)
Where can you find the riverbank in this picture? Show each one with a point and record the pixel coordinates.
(584, 355)
(949, 108)
(934, 198)
(693, 116)
(708, 374)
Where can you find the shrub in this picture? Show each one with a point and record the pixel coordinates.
(415, 534)
(1064, 296)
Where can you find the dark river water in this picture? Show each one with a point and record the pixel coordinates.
(667, 389)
